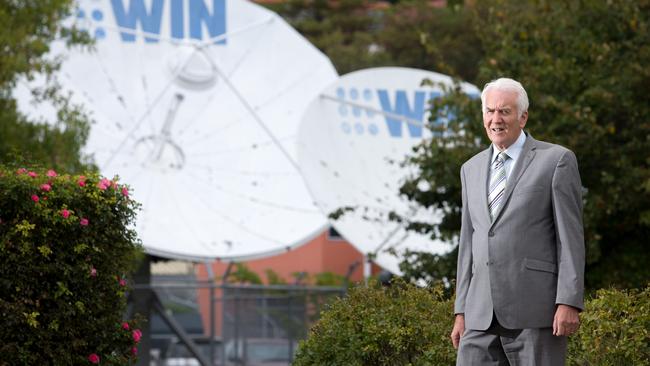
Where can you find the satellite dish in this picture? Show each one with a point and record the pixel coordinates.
(351, 141)
(197, 105)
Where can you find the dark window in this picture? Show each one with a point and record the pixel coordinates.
(332, 234)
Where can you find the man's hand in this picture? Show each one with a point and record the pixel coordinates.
(459, 329)
(566, 320)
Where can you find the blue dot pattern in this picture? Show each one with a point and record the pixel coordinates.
(354, 95)
(343, 111)
(91, 25)
(98, 15)
(100, 33)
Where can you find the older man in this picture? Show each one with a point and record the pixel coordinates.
(521, 252)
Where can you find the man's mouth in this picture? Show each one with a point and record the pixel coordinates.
(498, 129)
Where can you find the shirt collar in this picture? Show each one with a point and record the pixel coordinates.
(514, 150)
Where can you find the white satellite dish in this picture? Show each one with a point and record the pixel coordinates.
(351, 141)
(197, 105)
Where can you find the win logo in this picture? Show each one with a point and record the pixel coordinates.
(405, 112)
(193, 19)
(401, 106)
(412, 105)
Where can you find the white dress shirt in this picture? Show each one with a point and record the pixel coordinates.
(513, 151)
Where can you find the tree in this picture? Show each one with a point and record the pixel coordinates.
(340, 29)
(359, 34)
(28, 29)
(414, 34)
(589, 88)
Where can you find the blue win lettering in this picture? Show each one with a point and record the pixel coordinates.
(150, 18)
(402, 107)
(215, 22)
(178, 21)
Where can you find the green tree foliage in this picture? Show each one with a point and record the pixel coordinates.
(273, 278)
(414, 34)
(242, 274)
(329, 279)
(583, 64)
(358, 34)
(66, 247)
(28, 29)
(341, 29)
(374, 325)
(439, 160)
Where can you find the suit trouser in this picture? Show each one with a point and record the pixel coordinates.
(515, 347)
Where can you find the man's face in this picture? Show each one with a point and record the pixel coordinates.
(501, 118)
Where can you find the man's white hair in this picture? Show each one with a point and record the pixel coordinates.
(510, 85)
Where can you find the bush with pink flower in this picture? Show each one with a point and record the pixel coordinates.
(64, 240)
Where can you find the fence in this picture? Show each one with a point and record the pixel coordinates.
(207, 323)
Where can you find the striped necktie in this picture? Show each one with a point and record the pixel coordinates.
(497, 184)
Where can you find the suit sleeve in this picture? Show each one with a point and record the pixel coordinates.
(464, 267)
(567, 214)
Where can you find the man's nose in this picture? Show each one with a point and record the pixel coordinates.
(495, 117)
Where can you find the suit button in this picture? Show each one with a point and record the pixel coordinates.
(491, 234)
(487, 263)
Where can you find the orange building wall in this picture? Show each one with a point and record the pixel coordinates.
(321, 254)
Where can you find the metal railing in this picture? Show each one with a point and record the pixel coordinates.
(242, 323)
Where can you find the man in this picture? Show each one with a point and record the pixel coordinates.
(519, 286)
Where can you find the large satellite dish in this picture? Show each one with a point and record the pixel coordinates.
(351, 141)
(197, 105)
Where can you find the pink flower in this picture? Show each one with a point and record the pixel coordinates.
(125, 326)
(134, 351)
(122, 282)
(32, 174)
(83, 222)
(125, 192)
(46, 187)
(51, 173)
(34, 198)
(65, 213)
(93, 272)
(137, 334)
(21, 171)
(82, 181)
(93, 358)
(103, 184)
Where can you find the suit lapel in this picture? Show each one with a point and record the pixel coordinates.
(525, 158)
(485, 168)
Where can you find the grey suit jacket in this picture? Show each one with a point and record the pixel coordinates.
(531, 257)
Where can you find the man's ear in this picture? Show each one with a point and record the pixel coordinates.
(523, 119)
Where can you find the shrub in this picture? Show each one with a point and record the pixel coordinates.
(374, 325)
(408, 325)
(65, 249)
(615, 330)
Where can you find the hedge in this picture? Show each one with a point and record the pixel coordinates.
(408, 325)
(615, 329)
(66, 248)
(374, 325)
